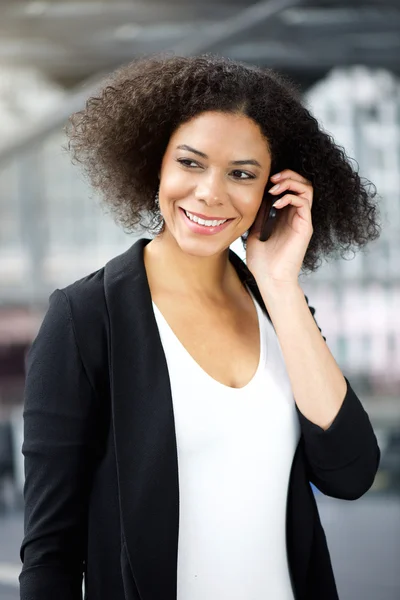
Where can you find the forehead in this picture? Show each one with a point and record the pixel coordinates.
(235, 132)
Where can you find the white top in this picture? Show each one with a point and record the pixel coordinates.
(235, 451)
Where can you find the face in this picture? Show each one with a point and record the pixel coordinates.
(215, 167)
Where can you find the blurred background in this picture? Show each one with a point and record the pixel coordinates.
(345, 56)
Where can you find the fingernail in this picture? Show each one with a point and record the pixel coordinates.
(275, 188)
(276, 176)
(277, 203)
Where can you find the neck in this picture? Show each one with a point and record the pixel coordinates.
(202, 277)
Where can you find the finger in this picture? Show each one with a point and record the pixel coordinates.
(290, 199)
(301, 204)
(288, 173)
(294, 186)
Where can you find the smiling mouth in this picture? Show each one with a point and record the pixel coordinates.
(204, 220)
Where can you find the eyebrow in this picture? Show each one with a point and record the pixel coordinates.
(248, 161)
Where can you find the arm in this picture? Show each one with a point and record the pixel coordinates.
(340, 445)
(57, 449)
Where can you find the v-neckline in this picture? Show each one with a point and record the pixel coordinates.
(197, 366)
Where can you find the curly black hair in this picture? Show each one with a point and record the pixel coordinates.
(122, 133)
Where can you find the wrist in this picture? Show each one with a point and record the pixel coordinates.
(276, 288)
(280, 294)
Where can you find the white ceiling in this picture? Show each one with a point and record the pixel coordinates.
(71, 40)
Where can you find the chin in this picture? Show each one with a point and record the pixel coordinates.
(201, 246)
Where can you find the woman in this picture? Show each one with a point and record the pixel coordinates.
(179, 402)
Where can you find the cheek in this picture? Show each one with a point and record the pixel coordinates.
(249, 205)
(175, 184)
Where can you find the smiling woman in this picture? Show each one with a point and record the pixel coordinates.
(179, 402)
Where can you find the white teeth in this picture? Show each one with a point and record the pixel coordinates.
(202, 221)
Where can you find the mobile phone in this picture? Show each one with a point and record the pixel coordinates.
(270, 217)
(268, 224)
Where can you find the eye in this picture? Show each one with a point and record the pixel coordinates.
(238, 172)
(187, 162)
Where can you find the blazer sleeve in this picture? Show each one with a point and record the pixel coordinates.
(342, 460)
(58, 452)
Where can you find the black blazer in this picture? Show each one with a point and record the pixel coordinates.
(101, 490)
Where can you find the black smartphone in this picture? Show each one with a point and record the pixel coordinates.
(268, 224)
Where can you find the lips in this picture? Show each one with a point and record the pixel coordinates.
(206, 230)
(206, 217)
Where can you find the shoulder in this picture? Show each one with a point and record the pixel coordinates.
(87, 296)
(83, 304)
(80, 310)
(88, 287)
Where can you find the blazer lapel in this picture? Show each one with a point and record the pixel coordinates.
(144, 431)
(144, 428)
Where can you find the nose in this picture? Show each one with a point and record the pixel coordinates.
(211, 190)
